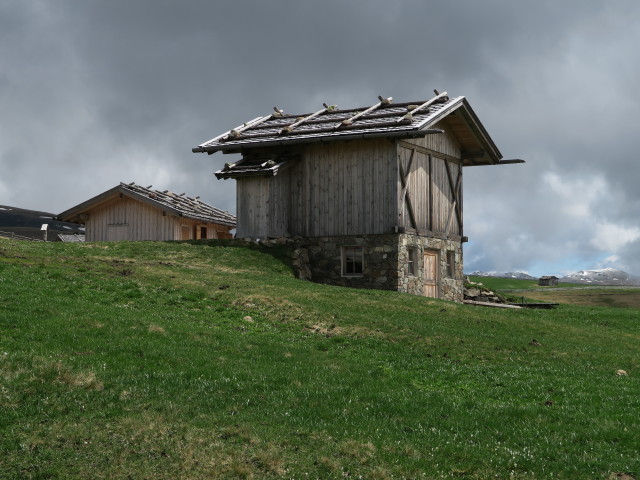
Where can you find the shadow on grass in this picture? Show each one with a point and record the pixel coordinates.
(282, 253)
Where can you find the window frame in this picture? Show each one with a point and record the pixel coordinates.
(412, 264)
(451, 263)
(358, 251)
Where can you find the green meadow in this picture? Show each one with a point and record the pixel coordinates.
(565, 293)
(211, 360)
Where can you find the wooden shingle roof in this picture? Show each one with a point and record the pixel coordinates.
(383, 119)
(179, 205)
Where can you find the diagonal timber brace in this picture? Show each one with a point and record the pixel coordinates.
(404, 195)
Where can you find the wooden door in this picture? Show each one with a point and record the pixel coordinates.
(430, 272)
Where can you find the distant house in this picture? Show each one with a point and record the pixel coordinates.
(373, 193)
(131, 212)
(548, 281)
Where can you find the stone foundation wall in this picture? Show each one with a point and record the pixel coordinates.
(385, 262)
(451, 286)
(380, 269)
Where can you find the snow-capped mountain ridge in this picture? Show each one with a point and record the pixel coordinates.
(602, 276)
(516, 275)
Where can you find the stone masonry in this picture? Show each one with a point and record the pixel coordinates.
(385, 262)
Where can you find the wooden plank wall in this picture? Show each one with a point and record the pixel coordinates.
(252, 207)
(347, 189)
(213, 230)
(129, 219)
(144, 221)
(279, 204)
(445, 143)
(428, 184)
(339, 188)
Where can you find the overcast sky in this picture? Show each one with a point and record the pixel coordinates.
(97, 92)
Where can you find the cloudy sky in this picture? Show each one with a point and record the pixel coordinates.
(97, 92)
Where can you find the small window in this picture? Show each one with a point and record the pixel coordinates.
(411, 261)
(451, 263)
(352, 261)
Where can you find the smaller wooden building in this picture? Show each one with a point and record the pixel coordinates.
(548, 281)
(135, 213)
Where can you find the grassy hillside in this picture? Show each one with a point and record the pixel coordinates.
(206, 360)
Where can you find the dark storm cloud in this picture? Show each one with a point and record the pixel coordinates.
(96, 92)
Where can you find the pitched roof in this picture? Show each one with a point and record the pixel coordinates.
(179, 205)
(252, 165)
(384, 119)
(65, 237)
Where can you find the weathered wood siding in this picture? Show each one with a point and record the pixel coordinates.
(445, 143)
(128, 219)
(348, 189)
(355, 188)
(433, 187)
(263, 206)
(131, 218)
(340, 188)
(189, 229)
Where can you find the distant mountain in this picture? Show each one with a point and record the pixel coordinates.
(515, 275)
(28, 223)
(604, 276)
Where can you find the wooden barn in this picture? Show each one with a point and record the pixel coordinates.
(135, 213)
(548, 281)
(374, 193)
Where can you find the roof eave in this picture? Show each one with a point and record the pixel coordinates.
(484, 137)
(239, 147)
(225, 223)
(74, 212)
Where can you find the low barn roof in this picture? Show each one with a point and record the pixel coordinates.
(384, 119)
(67, 237)
(179, 205)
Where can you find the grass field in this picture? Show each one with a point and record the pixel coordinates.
(206, 360)
(566, 293)
(502, 284)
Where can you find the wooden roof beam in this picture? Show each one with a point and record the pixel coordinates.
(349, 121)
(233, 133)
(236, 132)
(289, 128)
(409, 115)
(510, 161)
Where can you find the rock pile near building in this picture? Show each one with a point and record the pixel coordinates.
(477, 292)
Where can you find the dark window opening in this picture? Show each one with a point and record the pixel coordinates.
(451, 263)
(411, 261)
(352, 261)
